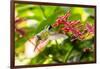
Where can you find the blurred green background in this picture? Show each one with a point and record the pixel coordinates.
(33, 19)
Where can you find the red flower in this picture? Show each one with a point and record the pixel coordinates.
(90, 28)
(61, 20)
(65, 17)
(65, 29)
(75, 22)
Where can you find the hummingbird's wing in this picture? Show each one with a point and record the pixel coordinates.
(57, 36)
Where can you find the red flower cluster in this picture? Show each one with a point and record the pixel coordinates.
(90, 28)
(74, 27)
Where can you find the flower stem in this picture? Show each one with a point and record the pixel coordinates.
(68, 53)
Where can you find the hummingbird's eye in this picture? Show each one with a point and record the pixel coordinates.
(39, 38)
